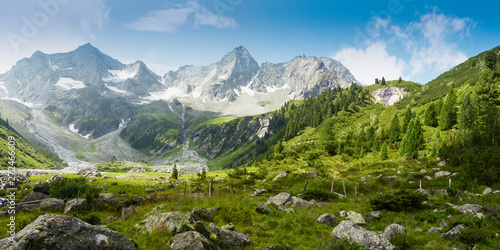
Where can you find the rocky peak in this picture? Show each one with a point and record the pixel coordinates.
(240, 60)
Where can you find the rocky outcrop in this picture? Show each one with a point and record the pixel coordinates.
(174, 222)
(279, 200)
(441, 174)
(35, 196)
(388, 96)
(110, 198)
(262, 209)
(348, 230)
(202, 214)
(327, 219)
(454, 232)
(50, 231)
(52, 204)
(233, 238)
(393, 230)
(282, 174)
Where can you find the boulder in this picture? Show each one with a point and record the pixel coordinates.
(441, 174)
(137, 170)
(89, 172)
(148, 190)
(363, 178)
(206, 230)
(423, 191)
(423, 171)
(301, 203)
(312, 173)
(454, 232)
(109, 198)
(12, 180)
(191, 240)
(356, 218)
(487, 191)
(174, 222)
(428, 178)
(55, 178)
(42, 188)
(327, 219)
(170, 186)
(75, 205)
(343, 213)
(160, 188)
(128, 212)
(375, 215)
(202, 214)
(348, 230)
(234, 239)
(283, 174)
(52, 204)
(441, 163)
(393, 230)
(50, 231)
(467, 208)
(257, 192)
(279, 200)
(35, 196)
(262, 209)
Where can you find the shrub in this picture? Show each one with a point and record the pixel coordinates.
(400, 200)
(318, 195)
(471, 236)
(73, 188)
(339, 244)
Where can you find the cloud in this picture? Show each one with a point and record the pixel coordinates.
(372, 62)
(425, 48)
(170, 20)
(48, 25)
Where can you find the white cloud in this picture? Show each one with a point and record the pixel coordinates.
(428, 44)
(371, 62)
(170, 20)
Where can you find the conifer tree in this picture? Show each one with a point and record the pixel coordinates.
(430, 116)
(383, 152)
(448, 111)
(394, 129)
(407, 118)
(400, 80)
(467, 114)
(175, 173)
(412, 140)
(383, 80)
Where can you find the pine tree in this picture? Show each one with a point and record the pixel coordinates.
(448, 111)
(467, 114)
(382, 136)
(383, 152)
(413, 139)
(400, 80)
(383, 80)
(430, 116)
(394, 129)
(175, 173)
(408, 115)
(376, 81)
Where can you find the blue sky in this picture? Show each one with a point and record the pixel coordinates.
(390, 38)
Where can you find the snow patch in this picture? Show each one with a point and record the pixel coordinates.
(27, 104)
(117, 90)
(18, 82)
(223, 77)
(55, 67)
(74, 130)
(120, 75)
(237, 92)
(247, 90)
(69, 83)
(165, 94)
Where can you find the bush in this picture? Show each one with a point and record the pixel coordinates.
(73, 188)
(471, 236)
(400, 200)
(339, 244)
(318, 195)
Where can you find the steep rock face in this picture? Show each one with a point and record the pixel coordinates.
(388, 96)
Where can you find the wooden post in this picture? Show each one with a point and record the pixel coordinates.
(345, 193)
(331, 190)
(449, 183)
(305, 186)
(355, 191)
(420, 184)
(184, 188)
(210, 188)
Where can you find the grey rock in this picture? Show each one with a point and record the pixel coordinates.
(174, 222)
(55, 178)
(90, 173)
(388, 96)
(160, 188)
(441, 163)
(148, 190)
(109, 219)
(467, 208)
(233, 238)
(312, 173)
(257, 192)
(282, 174)
(428, 178)
(393, 230)
(109, 198)
(327, 219)
(262, 209)
(423, 171)
(455, 175)
(363, 178)
(75, 205)
(128, 212)
(356, 218)
(279, 200)
(50, 231)
(137, 170)
(301, 203)
(12, 179)
(52, 204)
(35, 196)
(206, 230)
(434, 230)
(454, 232)
(392, 177)
(375, 215)
(343, 213)
(348, 230)
(487, 191)
(202, 214)
(496, 192)
(170, 186)
(441, 174)
(191, 240)
(42, 188)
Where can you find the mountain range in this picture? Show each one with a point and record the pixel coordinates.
(69, 99)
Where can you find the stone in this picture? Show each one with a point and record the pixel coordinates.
(454, 232)
(148, 190)
(55, 178)
(441, 163)
(206, 230)
(174, 222)
(109, 219)
(375, 215)
(42, 188)
(160, 188)
(356, 218)
(257, 192)
(234, 239)
(50, 231)
(423, 171)
(109, 198)
(343, 213)
(312, 173)
(52, 204)
(327, 219)
(487, 191)
(393, 230)
(363, 178)
(301, 203)
(137, 170)
(428, 178)
(35, 196)
(128, 212)
(392, 177)
(348, 230)
(467, 208)
(441, 174)
(191, 240)
(170, 186)
(496, 192)
(12, 179)
(456, 174)
(283, 174)
(279, 200)
(75, 205)
(262, 209)
(434, 230)
(202, 214)
(90, 173)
